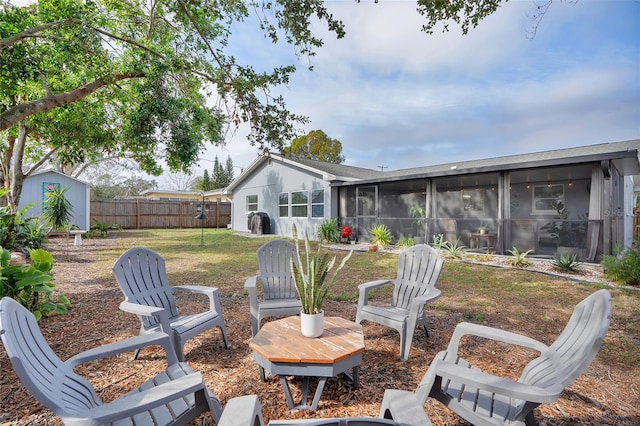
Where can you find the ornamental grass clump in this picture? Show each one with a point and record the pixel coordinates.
(311, 274)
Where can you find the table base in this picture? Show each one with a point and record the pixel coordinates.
(302, 405)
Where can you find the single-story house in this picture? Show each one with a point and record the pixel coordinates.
(578, 200)
(37, 185)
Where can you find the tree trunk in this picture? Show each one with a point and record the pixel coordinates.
(19, 112)
(15, 174)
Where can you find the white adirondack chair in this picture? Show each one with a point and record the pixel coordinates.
(485, 399)
(142, 277)
(245, 411)
(173, 397)
(415, 285)
(279, 296)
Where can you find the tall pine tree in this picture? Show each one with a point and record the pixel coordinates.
(229, 170)
(207, 185)
(222, 176)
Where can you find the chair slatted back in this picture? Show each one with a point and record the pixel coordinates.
(418, 271)
(44, 375)
(575, 348)
(142, 277)
(274, 260)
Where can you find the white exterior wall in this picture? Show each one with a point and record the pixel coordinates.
(78, 195)
(268, 181)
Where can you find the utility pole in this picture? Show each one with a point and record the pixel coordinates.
(383, 167)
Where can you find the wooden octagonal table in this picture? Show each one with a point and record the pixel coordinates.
(281, 349)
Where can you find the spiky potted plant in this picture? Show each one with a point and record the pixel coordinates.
(312, 278)
(380, 236)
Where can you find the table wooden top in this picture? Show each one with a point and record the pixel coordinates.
(282, 341)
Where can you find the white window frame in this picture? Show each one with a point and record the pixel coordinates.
(295, 206)
(283, 206)
(542, 201)
(250, 204)
(473, 201)
(314, 193)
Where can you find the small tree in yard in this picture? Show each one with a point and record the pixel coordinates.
(57, 209)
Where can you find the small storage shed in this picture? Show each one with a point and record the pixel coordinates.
(36, 186)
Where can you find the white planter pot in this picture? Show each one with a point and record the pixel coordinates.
(312, 325)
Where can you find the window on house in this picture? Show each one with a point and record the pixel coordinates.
(252, 203)
(473, 201)
(299, 204)
(546, 197)
(283, 205)
(317, 203)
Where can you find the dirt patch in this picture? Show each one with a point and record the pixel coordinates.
(605, 394)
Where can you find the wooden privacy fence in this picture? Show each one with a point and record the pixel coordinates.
(137, 214)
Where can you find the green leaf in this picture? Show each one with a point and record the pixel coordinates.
(42, 259)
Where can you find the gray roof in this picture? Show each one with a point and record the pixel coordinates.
(624, 153)
(340, 170)
(558, 156)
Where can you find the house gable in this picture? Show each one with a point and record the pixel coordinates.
(288, 192)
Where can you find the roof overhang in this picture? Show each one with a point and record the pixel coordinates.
(627, 162)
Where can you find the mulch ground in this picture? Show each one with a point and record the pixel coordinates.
(605, 394)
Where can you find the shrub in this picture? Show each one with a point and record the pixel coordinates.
(624, 265)
(566, 263)
(439, 242)
(519, 259)
(455, 250)
(31, 284)
(29, 234)
(406, 242)
(380, 235)
(18, 232)
(329, 231)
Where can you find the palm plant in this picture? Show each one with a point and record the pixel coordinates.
(380, 235)
(57, 209)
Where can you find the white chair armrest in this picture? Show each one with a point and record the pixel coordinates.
(363, 289)
(126, 345)
(251, 285)
(432, 295)
(242, 411)
(373, 284)
(139, 402)
(211, 292)
(136, 308)
(162, 314)
(496, 334)
(481, 380)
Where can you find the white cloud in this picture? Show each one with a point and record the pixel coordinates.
(397, 97)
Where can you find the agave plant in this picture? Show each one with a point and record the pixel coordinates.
(380, 235)
(312, 275)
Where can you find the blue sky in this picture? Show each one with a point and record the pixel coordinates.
(399, 98)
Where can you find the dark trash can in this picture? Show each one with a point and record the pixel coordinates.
(259, 223)
(249, 218)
